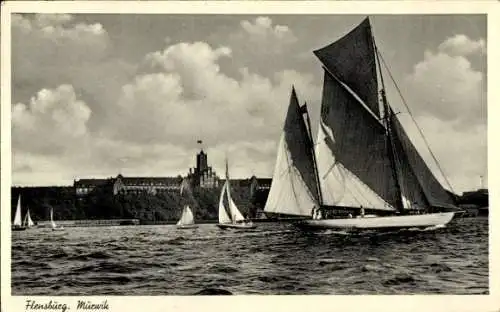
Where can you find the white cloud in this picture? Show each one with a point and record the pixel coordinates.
(262, 30)
(192, 98)
(260, 36)
(462, 45)
(446, 86)
(49, 50)
(51, 122)
(449, 102)
(153, 126)
(189, 98)
(47, 40)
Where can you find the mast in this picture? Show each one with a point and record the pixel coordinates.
(316, 173)
(386, 117)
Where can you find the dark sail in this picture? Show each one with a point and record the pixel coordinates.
(300, 145)
(408, 182)
(352, 60)
(434, 192)
(359, 140)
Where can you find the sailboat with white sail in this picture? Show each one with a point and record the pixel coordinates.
(233, 220)
(28, 223)
(364, 172)
(187, 218)
(17, 224)
(53, 225)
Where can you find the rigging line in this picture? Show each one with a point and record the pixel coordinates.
(355, 188)
(414, 121)
(346, 188)
(290, 175)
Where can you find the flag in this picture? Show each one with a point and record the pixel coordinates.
(199, 141)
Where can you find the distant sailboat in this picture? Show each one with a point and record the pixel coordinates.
(235, 220)
(17, 225)
(363, 160)
(187, 218)
(28, 223)
(54, 226)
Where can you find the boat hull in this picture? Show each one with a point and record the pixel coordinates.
(379, 223)
(18, 228)
(58, 229)
(241, 226)
(187, 226)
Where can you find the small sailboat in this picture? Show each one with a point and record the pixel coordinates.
(17, 225)
(28, 223)
(235, 219)
(54, 226)
(363, 160)
(187, 218)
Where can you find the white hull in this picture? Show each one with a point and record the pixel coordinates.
(187, 226)
(381, 223)
(236, 225)
(58, 228)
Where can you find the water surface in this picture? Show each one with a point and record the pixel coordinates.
(273, 259)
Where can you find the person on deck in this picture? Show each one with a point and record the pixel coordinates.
(362, 212)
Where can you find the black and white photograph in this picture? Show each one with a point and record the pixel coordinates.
(168, 154)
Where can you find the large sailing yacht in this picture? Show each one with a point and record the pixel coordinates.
(364, 172)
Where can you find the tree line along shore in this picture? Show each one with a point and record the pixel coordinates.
(162, 207)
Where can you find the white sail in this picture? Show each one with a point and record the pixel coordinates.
(187, 216)
(27, 220)
(52, 223)
(233, 209)
(223, 216)
(288, 193)
(339, 186)
(17, 217)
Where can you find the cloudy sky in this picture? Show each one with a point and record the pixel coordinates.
(98, 95)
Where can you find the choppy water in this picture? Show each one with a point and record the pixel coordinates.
(273, 259)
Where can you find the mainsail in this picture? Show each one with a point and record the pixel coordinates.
(294, 188)
(17, 217)
(27, 220)
(52, 223)
(364, 157)
(223, 216)
(187, 216)
(352, 152)
(352, 60)
(234, 214)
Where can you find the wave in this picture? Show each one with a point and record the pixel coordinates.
(91, 255)
(106, 267)
(213, 292)
(400, 279)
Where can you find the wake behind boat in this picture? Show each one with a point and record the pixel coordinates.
(233, 220)
(363, 159)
